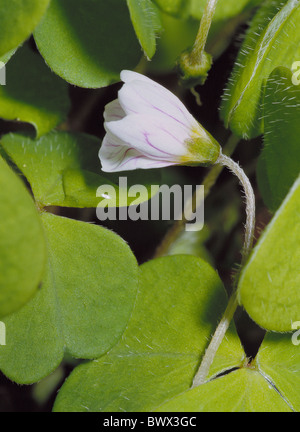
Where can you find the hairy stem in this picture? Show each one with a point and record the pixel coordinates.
(250, 203)
(220, 332)
(203, 32)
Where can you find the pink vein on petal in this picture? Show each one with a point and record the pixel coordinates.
(146, 135)
(162, 111)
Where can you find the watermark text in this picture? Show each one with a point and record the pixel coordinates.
(296, 335)
(166, 203)
(2, 73)
(296, 74)
(2, 333)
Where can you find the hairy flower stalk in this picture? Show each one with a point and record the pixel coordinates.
(250, 203)
(148, 127)
(196, 62)
(204, 28)
(220, 332)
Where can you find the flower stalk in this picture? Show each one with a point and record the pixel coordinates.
(205, 24)
(222, 328)
(196, 63)
(250, 203)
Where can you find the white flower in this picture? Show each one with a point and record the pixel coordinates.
(148, 127)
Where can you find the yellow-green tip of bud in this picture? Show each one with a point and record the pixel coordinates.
(194, 72)
(202, 150)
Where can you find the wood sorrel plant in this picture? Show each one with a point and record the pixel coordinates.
(159, 336)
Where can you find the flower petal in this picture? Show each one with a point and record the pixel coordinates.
(113, 111)
(155, 137)
(142, 95)
(148, 126)
(118, 157)
(127, 76)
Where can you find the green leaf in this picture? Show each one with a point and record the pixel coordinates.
(281, 153)
(269, 284)
(152, 367)
(63, 169)
(269, 384)
(32, 93)
(18, 19)
(22, 245)
(60, 167)
(272, 40)
(83, 307)
(279, 360)
(6, 57)
(243, 390)
(88, 45)
(263, 182)
(179, 303)
(146, 23)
